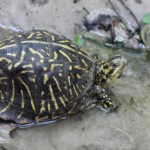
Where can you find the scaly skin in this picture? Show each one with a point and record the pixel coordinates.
(106, 73)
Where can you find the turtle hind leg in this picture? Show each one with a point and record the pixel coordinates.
(5, 130)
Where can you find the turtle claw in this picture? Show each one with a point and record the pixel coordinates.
(5, 130)
(115, 109)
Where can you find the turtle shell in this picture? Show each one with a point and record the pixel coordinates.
(43, 77)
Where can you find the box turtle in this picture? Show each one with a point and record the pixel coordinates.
(44, 77)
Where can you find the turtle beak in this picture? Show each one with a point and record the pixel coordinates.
(123, 70)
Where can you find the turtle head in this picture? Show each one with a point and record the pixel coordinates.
(109, 70)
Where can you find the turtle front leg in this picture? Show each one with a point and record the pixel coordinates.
(103, 100)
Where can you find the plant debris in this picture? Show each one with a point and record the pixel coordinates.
(109, 24)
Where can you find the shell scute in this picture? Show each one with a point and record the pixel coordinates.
(46, 77)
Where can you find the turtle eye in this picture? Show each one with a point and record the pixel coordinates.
(115, 65)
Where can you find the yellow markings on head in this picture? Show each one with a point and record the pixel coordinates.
(46, 78)
(62, 101)
(69, 82)
(74, 88)
(42, 109)
(78, 76)
(22, 99)
(30, 35)
(5, 108)
(6, 59)
(11, 54)
(53, 97)
(1, 96)
(45, 68)
(85, 64)
(13, 92)
(65, 55)
(39, 119)
(35, 52)
(21, 59)
(29, 93)
(7, 46)
(27, 66)
(70, 67)
(55, 55)
(57, 83)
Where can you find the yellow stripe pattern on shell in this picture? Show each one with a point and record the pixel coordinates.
(40, 73)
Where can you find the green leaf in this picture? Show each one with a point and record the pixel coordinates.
(146, 19)
(144, 30)
(78, 40)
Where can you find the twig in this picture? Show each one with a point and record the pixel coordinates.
(114, 8)
(126, 7)
(86, 10)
